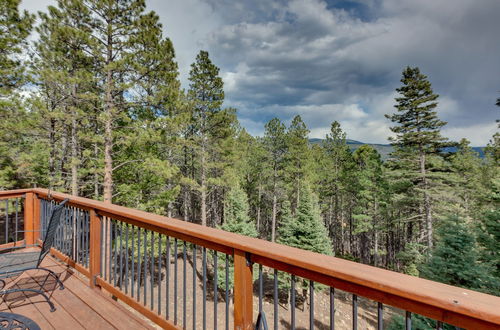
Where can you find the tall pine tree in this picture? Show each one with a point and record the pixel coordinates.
(417, 128)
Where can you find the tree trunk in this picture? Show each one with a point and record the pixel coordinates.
(275, 206)
(203, 184)
(427, 202)
(74, 158)
(258, 208)
(108, 124)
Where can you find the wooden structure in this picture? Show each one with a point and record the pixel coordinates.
(443, 303)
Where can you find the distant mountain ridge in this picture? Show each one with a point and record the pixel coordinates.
(385, 149)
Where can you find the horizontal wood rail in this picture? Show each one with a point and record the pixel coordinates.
(449, 304)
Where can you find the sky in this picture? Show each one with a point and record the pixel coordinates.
(341, 59)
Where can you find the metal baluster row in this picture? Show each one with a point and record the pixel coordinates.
(154, 269)
(281, 281)
(73, 234)
(13, 217)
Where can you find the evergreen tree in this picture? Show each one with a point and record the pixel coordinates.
(276, 147)
(417, 130)
(305, 230)
(370, 190)
(118, 31)
(489, 240)
(210, 128)
(456, 260)
(297, 162)
(335, 167)
(237, 221)
(15, 27)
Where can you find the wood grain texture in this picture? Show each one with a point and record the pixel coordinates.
(243, 292)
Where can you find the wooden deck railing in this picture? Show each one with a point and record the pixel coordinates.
(101, 241)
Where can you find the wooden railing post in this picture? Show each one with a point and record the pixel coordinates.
(36, 219)
(243, 291)
(95, 247)
(29, 226)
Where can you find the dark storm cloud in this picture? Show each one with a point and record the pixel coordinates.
(310, 55)
(342, 59)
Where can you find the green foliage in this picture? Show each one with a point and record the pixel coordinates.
(15, 27)
(305, 229)
(236, 221)
(456, 259)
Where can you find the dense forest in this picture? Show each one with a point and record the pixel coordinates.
(92, 105)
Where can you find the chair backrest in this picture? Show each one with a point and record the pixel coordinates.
(50, 233)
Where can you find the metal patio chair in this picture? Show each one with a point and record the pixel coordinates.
(15, 263)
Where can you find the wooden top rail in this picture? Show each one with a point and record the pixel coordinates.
(453, 305)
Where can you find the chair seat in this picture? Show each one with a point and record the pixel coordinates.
(14, 262)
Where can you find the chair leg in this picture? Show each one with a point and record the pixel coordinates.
(61, 286)
(52, 307)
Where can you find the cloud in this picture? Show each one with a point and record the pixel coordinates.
(319, 56)
(334, 60)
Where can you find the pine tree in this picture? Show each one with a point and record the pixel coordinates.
(456, 260)
(237, 221)
(65, 70)
(210, 128)
(489, 240)
(276, 147)
(370, 194)
(305, 230)
(118, 31)
(15, 28)
(417, 130)
(335, 166)
(297, 162)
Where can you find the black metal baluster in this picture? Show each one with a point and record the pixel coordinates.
(275, 299)
(194, 287)
(132, 265)
(354, 312)
(6, 221)
(204, 288)
(152, 261)
(126, 258)
(261, 288)
(227, 292)
(145, 271)
(311, 304)
(332, 308)
(175, 281)
(17, 207)
(167, 293)
(216, 291)
(292, 302)
(139, 241)
(380, 316)
(159, 271)
(408, 321)
(120, 232)
(105, 247)
(115, 253)
(78, 225)
(184, 302)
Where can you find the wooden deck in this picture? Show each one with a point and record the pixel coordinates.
(77, 306)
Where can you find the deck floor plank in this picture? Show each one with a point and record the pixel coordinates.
(77, 306)
(110, 310)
